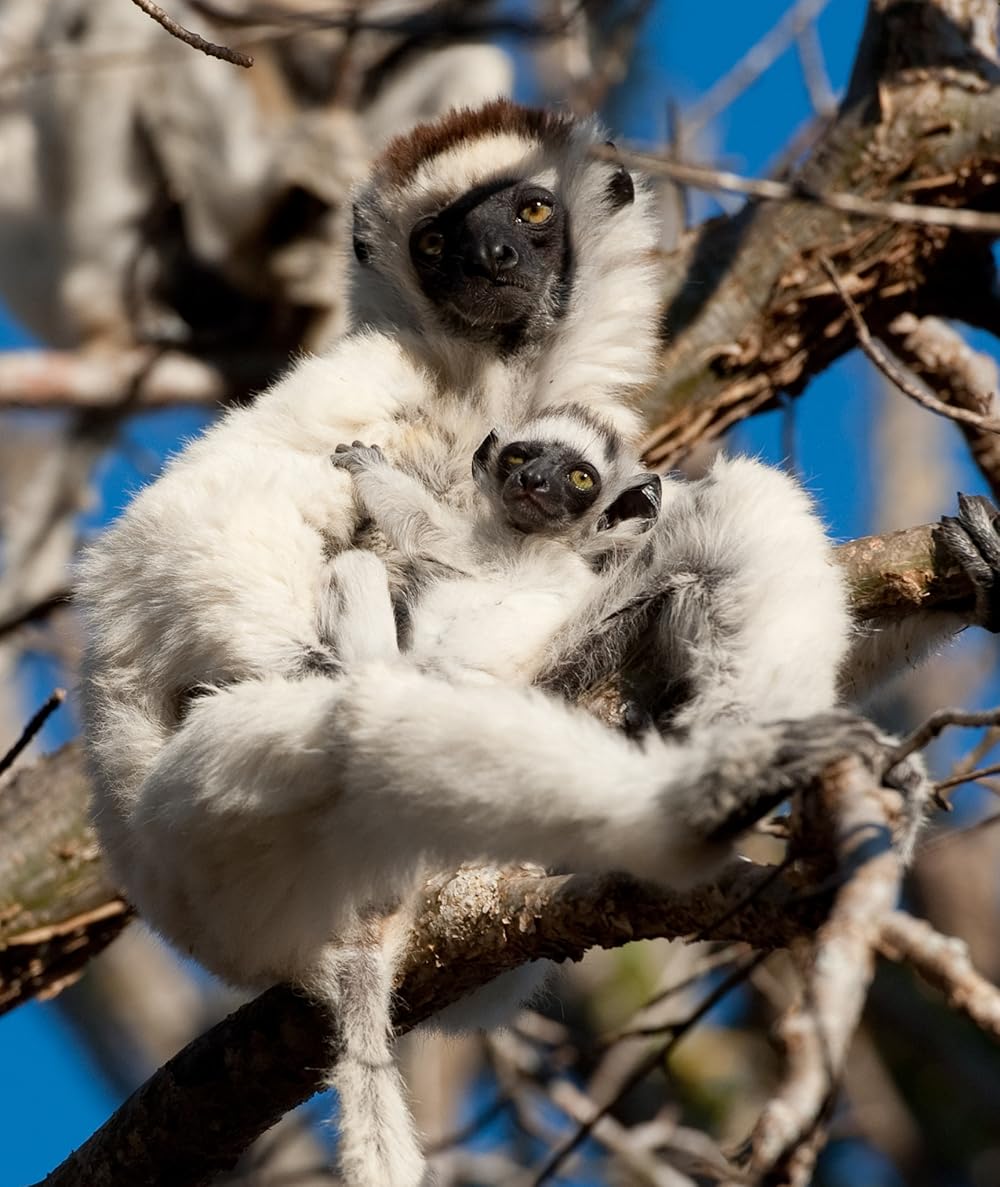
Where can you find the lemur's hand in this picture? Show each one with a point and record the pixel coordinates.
(356, 457)
(972, 538)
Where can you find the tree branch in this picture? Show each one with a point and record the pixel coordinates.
(748, 311)
(960, 376)
(816, 1032)
(195, 40)
(193, 1118)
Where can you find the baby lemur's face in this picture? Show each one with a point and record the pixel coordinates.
(565, 473)
(544, 485)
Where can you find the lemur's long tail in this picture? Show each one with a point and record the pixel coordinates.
(378, 1143)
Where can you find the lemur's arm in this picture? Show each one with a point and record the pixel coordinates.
(414, 521)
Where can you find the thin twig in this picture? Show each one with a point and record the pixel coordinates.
(934, 725)
(814, 74)
(701, 177)
(967, 777)
(644, 1067)
(195, 40)
(708, 964)
(885, 363)
(31, 729)
(754, 63)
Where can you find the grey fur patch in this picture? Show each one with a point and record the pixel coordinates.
(318, 661)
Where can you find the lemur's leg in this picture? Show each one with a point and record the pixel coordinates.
(386, 766)
(755, 624)
(356, 616)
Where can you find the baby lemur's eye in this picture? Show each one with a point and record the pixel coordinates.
(581, 479)
(430, 243)
(535, 212)
(513, 460)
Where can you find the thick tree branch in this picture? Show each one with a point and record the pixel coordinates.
(58, 907)
(143, 377)
(193, 1118)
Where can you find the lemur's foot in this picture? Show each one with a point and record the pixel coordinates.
(791, 755)
(973, 539)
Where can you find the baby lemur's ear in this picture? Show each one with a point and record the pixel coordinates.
(641, 501)
(481, 458)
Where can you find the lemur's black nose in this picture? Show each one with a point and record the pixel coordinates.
(533, 477)
(492, 256)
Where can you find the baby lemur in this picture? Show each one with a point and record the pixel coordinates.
(561, 499)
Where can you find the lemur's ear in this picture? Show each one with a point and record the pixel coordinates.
(641, 500)
(481, 458)
(621, 189)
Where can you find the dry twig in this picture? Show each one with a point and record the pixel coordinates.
(38, 719)
(937, 722)
(754, 63)
(195, 40)
(701, 177)
(885, 363)
(644, 1066)
(961, 376)
(943, 962)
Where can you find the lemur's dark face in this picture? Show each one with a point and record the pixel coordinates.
(544, 486)
(496, 262)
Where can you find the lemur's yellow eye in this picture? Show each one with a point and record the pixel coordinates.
(430, 243)
(535, 212)
(581, 479)
(513, 460)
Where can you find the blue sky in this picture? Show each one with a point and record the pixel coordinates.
(52, 1097)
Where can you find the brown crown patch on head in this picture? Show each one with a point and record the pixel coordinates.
(404, 154)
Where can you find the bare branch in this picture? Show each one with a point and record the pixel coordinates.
(58, 907)
(816, 1033)
(193, 1118)
(894, 373)
(937, 722)
(943, 962)
(754, 63)
(145, 377)
(967, 777)
(701, 177)
(34, 725)
(642, 1068)
(195, 40)
(959, 375)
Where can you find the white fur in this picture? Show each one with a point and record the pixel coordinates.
(254, 814)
